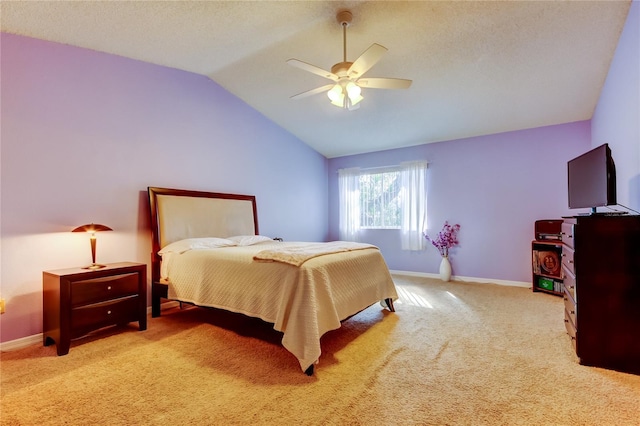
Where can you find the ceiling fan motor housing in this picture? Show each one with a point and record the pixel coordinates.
(340, 69)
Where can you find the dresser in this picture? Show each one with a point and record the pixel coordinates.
(77, 301)
(601, 269)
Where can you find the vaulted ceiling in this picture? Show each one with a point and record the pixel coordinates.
(478, 67)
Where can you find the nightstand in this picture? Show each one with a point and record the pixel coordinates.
(77, 301)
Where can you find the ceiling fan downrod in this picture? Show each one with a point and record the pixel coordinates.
(344, 18)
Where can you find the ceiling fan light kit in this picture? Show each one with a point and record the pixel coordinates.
(338, 98)
(346, 90)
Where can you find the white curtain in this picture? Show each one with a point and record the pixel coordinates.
(413, 181)
(349, 193)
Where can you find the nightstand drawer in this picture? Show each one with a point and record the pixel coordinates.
(92, 317)
(102, 289)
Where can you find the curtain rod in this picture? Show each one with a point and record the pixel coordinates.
(397, 166)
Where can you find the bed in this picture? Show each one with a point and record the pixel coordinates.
(207, 251)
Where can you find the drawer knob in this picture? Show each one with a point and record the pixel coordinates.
(108, 312)
(109, 288)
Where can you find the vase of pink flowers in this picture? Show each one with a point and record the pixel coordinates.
(446, 239)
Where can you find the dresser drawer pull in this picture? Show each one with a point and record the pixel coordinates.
(108, 312)
(109, 288)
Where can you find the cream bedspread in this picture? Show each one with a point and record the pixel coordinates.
(302, 302)
(297, 253)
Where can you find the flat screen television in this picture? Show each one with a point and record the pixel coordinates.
(592, 179)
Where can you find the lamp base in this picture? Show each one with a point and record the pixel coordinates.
(94, 266)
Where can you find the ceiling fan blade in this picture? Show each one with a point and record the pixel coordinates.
(368, 59)
(312, 91)
(384, 83)
(313, 69)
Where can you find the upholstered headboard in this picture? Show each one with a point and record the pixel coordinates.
(177, 214)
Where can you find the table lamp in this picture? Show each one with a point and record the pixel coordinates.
(93, 228)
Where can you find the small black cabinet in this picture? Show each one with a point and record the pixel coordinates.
(546, 252)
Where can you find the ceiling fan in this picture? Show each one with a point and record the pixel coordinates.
(345, 91)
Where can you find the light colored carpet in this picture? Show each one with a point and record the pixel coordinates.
(453, 354)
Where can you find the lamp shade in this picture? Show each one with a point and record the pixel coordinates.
(92, 227)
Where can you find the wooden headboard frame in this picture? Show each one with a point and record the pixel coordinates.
(178, 214)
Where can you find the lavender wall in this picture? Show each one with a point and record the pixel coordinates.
(616, 119)
(85, 133)
(494, 186)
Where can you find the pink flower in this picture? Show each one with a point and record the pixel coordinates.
(446, 238)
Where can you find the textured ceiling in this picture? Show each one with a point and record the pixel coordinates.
(477, 67)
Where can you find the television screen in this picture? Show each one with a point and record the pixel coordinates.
(592, 179)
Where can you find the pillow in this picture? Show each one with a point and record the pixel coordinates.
(249, 240)
(195, 244)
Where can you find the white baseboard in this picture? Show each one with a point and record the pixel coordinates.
(23, 342)
(465, 279)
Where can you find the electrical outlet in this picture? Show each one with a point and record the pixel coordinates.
(1, 306)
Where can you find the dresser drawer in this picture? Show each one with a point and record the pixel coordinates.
(567, 233)
(92, 317)
(567, 259)
(571, 329)
(102, 289)
(570, 309)
(569, 281)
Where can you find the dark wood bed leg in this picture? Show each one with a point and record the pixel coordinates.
(389, 303)
(309, 371)
(158, 291)
(155, 304)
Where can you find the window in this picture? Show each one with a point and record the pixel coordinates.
(389, 198)
(380, 199)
